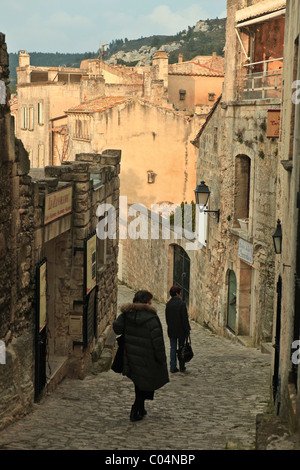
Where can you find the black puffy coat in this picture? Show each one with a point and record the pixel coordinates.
(145, 356)
(177, 318)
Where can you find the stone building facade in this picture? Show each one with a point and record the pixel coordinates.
(231, 286)
(58, 279)
(44, 93)
(286, 331)
(81, 268)
(237, 159)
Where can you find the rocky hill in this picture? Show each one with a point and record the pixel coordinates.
(204, 38)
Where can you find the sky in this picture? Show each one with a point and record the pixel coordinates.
(83, 26)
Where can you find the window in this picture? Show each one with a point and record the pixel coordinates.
(82, 128)
(211, 96)
(182, 94)
(40, 113)
(24, 118)
(242, 188)
(30, 118)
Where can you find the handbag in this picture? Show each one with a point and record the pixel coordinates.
(185, 353)
(117, 365)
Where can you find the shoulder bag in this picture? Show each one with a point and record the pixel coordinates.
(186, 353)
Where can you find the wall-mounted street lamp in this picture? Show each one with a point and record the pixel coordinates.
(151, 176)
(277, 238)
(202, 194)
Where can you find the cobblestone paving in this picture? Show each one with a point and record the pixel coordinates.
(215, 402)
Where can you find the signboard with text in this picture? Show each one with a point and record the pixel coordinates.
(42, 283)
(90, 263)
(246, 251)
(273, 123)
(58, 204)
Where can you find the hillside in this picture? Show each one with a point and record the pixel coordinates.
(202, 39)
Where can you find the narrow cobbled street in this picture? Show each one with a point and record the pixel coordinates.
(212, 406)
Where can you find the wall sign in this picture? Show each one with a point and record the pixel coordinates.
(90, 263)
(273, 123)
(245, 251)
(42, 291)
(58, 204)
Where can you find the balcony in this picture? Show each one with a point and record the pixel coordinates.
(263, 80)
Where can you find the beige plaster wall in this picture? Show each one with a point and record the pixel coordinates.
(56, 98)
(151, 138)
(197, 90)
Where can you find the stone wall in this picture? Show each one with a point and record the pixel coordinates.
(238, 161)
(16, 288)
(147, 263)
(286, 307)
(66, 252)
(25, 240)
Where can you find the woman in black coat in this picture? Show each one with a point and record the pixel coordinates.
(145, 356)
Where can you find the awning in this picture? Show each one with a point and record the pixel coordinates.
(259, 12)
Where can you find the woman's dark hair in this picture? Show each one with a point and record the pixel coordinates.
(142, 297)
(175, 290)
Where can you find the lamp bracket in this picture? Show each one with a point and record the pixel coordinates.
(214, 212)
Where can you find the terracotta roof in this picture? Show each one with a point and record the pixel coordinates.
(202, 71)
(99, 104)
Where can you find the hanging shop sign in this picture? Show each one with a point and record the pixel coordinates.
(273, 123)
(58, 204)
(245, 251)
(90, 244)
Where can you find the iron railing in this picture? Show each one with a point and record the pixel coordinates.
(265, 83)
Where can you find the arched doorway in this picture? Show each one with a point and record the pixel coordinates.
(181, 271)
(231, 306)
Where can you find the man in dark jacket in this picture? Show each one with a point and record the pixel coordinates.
(178, 326)
(145, 357)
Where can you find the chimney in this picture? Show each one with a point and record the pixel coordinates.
(180, 58)
(24, 59)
